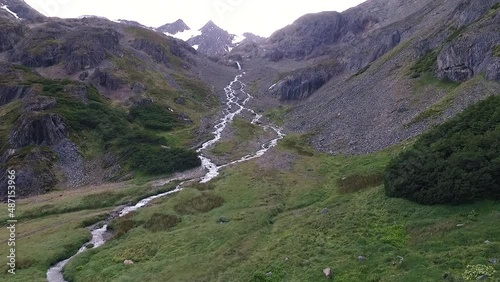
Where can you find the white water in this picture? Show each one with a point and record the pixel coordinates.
(235, 106)
(239, 66)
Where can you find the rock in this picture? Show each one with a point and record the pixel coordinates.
(302, 83)
(213, 40)
(128, 262)
(361, 258)
(10, 34)
(180, 100)
(460, 225)
(173, 28)
(138, 88)
(10, 93)
(269, 273)
(45, 129)
(89, 245)
(493, 260)
(106, 80)
(487, 242)
(223, 219)
(328, 273)
(79, 91)
(39, 103)
(155, 50)
(84, 75)
(324, 211)
(482, 277)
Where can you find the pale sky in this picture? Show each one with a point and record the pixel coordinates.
(261, 17)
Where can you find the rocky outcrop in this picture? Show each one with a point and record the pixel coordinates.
(38, 129)
(9, 93)
(88, 47)
(39, 103)
(156, 51)
(303, 83)
(471, 52)
(23, 10)
(34, 172)
(106, 80)
(10, 34)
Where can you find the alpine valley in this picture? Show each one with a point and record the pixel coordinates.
(353, 146)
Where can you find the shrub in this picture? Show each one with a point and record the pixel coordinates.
(456, 162)
(154, 117)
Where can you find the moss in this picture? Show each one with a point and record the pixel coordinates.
(426, 64)
(496, 51)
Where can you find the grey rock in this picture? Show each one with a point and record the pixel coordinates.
(128, 262)
(361, 258)
(138, 88)
(84, 75)
(89, 245)
(223, 219)
(45, 129)
(39, 103)
(324, 211)
(10, 93)
(106, 80)
(482, 277)
(11, 33)
(328, 273)
(174, 28)
(180, 100)
(493, 260)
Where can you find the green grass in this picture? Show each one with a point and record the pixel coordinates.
(244, 132)
(8, 115)
(278, 115)
(453, 90)
(426, 64)
(276, 225)
(496, 51)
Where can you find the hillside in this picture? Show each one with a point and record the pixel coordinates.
(72, 92)
(353, 146)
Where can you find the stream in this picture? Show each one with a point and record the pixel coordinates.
(236, 102)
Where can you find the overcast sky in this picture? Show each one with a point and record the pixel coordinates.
(261, 17)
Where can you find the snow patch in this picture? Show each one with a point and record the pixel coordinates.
(6, 8)
(196, 47)
(185, 35)
(238, 38)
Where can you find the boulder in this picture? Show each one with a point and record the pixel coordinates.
(328, 273)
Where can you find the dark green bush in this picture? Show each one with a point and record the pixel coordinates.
(456, 162)
(154, 117)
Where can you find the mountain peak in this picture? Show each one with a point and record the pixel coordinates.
(210, 25)
(174, 28)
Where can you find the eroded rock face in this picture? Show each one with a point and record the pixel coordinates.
(9, 93)
(469, 55)
(302, 83)
(155, 50)
(10, 34)
(34, 173)
(106, 80)
(39, 103)
(38, 129)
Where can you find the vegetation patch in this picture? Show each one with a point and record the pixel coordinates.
(161, 222)
(278, 115)
(496, 51)
(454, 163)
(298, 144)
(199, 204)
(355, 183)
(426, 64)
(154, 117)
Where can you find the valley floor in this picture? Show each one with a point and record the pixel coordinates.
(284, 217)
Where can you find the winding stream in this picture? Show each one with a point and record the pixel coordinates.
(236, 102)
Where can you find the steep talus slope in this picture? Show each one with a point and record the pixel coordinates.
(400, 68)
(87, 101)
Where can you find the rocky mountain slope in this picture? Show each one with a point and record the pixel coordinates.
(379, 73)
(73, 93)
